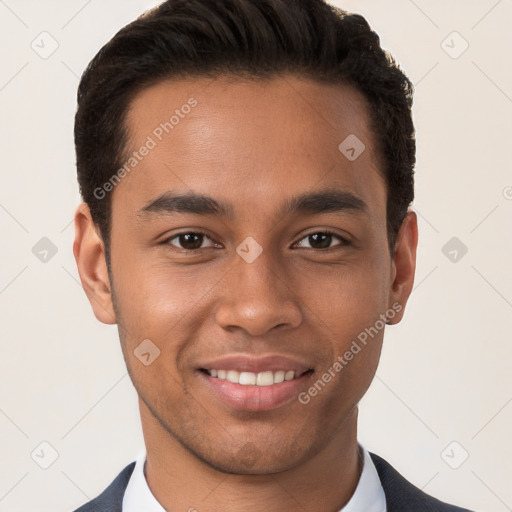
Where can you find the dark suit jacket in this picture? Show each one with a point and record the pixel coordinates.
(401, 495)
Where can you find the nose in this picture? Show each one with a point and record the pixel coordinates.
(258, 297)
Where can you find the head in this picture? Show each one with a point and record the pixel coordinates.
(246, 169)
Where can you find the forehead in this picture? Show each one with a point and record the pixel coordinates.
(252, 141)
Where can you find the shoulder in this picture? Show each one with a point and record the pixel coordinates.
(111, 499)
(402, 496)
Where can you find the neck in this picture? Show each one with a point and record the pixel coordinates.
(181, 481)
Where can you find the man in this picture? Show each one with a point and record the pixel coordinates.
(247, 169)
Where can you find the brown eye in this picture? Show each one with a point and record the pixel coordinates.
(189, 241)
(322, 240)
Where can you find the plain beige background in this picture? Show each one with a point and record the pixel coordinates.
(443, 388)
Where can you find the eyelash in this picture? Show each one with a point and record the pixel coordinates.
(344, 241)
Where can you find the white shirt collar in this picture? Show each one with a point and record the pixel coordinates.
(138, 495)
(368, 496)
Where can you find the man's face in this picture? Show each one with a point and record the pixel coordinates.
(210, 300)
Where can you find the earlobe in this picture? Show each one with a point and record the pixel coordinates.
(403, 266)
(89, 252)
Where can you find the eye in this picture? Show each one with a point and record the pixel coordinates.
(322, 240)
(194, 240)
(189, 241)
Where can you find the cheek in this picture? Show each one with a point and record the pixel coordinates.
(164, 305)
(348, 297)
(154, 292)
(346, 309)
(350, 318)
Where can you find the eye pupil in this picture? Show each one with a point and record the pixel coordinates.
(322, 240)
(187, 243)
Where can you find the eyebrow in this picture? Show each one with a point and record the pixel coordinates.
(322, 201)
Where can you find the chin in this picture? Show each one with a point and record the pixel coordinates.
(266, 465)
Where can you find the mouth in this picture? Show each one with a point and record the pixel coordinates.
(267, 378)
(249, 383)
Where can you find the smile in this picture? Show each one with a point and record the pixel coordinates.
(251, 391)
(267, 378)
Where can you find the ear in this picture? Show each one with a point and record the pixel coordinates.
(403, 265)
(89, 252)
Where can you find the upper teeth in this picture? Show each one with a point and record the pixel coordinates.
(253, 379)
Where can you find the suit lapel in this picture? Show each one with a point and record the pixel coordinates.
(402, 496)
(111, 499)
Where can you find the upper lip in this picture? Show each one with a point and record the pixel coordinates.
(256, 364)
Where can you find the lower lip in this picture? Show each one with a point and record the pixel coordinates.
(256, 398)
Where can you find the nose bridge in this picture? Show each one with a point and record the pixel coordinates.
(260, 276)
(256, 296)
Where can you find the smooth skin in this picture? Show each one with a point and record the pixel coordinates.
(252, 145)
